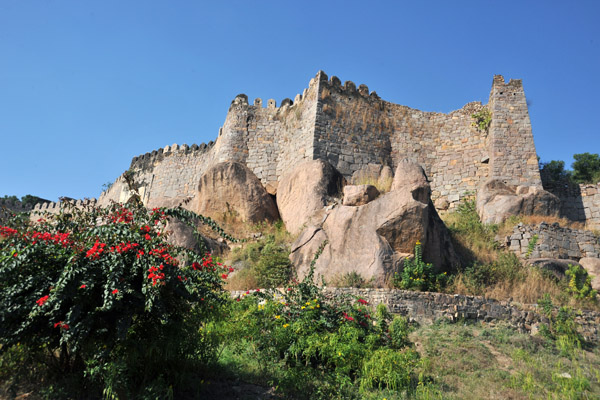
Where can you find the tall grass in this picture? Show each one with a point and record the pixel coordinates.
(487, 270)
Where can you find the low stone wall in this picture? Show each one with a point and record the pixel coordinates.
(553, 241)
(426, 307)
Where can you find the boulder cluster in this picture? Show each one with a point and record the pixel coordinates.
(370, 223)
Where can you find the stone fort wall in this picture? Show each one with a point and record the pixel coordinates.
(351, 127)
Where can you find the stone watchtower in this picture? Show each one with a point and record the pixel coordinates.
(512, 152)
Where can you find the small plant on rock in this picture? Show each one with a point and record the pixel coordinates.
(482, 119)
(419, 275)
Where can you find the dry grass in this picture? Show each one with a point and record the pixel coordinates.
(528, 290)
(383, 185)
(506, 228)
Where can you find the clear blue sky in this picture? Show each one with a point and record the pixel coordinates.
(87, 85)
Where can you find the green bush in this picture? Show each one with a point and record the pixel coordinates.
(273, 266)
(561, 327)
(268, 260)
(580, 283)
(389, 369)
(106, 298)
(482, 119)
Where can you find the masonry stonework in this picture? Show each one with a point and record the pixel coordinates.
(579, 202)
(351, 127)
(553, 241)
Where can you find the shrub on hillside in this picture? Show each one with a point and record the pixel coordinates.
(267, 261)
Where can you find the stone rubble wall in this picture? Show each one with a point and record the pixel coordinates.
(427, 307)
(552, 241)
(579, 202)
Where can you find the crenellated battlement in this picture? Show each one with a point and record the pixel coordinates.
(149, 159)
(52, 207)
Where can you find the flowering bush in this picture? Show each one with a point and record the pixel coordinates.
(324, 342)
(92, 285)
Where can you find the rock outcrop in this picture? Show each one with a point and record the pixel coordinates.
(182, 235)
(232, 189)
(305, 190)
(496, 201)
(373, 239)
(358, 195)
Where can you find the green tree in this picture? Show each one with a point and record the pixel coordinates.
(31, 200)
(554, 171)
(586, 168)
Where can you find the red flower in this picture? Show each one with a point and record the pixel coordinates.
(224, 276)
(82, 286)
(6, 231)
(96, 250)
(115, 291)
(231, 269)
(58, 324)
(40, 302)
(148, 237)
(361, 301)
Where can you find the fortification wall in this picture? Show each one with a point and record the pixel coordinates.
(351, 127)
(355, 128)
(553, 241)
(167, 174)
(52, 207)
(269, 140)
(426, 307)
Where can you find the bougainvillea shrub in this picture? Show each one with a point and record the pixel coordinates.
(90, 285)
